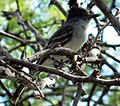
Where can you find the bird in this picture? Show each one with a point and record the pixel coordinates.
(72, 34)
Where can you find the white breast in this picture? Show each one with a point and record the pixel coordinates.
(79, 36)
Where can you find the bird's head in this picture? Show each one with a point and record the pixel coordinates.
(80, 13)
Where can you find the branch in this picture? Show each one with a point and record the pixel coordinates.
(103, 7)
(52, 51)
(61, 73)
(5, 88)
(58, 5)
(18, 7)
(91, 93)
(78, 95)
(36, 33)
(86, 79)
(109, 55)
(63, 93)
(108, 45)
(12, 36)
(109, 65)
(100, 100)
(23, 42)
(26, 23)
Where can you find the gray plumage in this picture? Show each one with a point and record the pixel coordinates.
(72, 34)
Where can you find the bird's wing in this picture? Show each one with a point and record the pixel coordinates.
(61, 36)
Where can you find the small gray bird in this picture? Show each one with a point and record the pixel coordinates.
(72, 34)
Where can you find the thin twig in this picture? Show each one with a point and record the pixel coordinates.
(78, 95)
(104, 8)
(14, 70)
(5, 88)
(94, 41)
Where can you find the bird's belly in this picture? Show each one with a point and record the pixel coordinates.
(77, 42)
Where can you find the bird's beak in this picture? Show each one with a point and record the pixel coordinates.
(94, 15)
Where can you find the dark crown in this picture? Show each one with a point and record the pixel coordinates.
(80, 12)
(76, 12)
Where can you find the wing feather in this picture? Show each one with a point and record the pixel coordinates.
(61, 36)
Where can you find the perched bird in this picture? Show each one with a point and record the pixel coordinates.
(71, 35)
